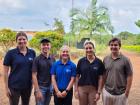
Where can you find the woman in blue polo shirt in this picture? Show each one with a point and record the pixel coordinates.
(63, 75)
(19, 62)
(89, 78)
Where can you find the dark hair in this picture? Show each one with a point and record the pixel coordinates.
(21, 34)
(115, 39)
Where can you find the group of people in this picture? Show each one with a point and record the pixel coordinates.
(88, 80)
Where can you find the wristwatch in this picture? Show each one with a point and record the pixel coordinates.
(67, 90)
(36, 90)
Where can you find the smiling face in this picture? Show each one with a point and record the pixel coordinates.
(64, 53)
(114, 47)
(89, 49)
(21, 41)
(45, 47)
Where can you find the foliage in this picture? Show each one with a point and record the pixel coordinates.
(138, 23)
(55, 38)
(70, 39)
(94, 19)
(102, 39)
(128, 38)
(124, 35)
(135, 48)
(7, 39)
(59, 27)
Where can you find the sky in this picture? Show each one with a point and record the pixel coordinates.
(32, 14)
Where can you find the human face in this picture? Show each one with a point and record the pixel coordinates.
(21, 41)
(114, 47)
(45, 47)
(65, 54)
(89, 49)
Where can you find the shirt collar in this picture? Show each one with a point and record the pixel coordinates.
(60, 62)
(18, 51)
(119, 56)
(44, 57)
(88, 61)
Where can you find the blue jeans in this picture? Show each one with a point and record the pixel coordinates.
(46, 92)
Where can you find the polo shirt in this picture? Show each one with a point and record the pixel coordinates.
(42, 66)
(63, 73)
(89, 72)
(20, 68)
(117, 71)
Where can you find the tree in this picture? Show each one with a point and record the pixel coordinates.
(59, 27)
(7, 39)
(124, 35)
(138, 23)
(55, 38)
(94, 20)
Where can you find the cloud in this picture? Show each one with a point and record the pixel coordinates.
(10, 6)
(31, 14)
(123, 14)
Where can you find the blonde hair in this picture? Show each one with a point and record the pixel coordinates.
(63, 48)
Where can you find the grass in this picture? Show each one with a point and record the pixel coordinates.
(134, 48)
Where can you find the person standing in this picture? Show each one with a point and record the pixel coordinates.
(118, 76)
(89, 79)
(18, 62)
(41, 73)
(63, 75)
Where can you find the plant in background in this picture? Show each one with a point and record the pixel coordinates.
(55, 38)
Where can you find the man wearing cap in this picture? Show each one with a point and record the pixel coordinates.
(41, 74)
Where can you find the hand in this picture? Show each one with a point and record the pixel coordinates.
(8, 92)
(59, 94)
(39, 96)
(64, 93)
(97, 97)
(126, 94)
(76, 94)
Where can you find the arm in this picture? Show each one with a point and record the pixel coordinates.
(128, 86)
(100, 86)
(70, 85)
(6, 70)
(38, 93)
(76, 86)
(129, 71)
(58, 93)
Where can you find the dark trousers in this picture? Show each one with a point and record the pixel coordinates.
(16, 94)
(64, 101)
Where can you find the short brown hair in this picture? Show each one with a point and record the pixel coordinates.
(21, 34)
(115, 39)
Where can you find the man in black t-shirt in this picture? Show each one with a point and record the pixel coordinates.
(41, 74)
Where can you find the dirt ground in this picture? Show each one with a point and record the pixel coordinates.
(134, 97)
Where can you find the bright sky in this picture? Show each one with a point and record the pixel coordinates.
(31, 14)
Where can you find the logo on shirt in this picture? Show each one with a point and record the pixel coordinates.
(68, 70)
(95, 68)
(30, 59)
